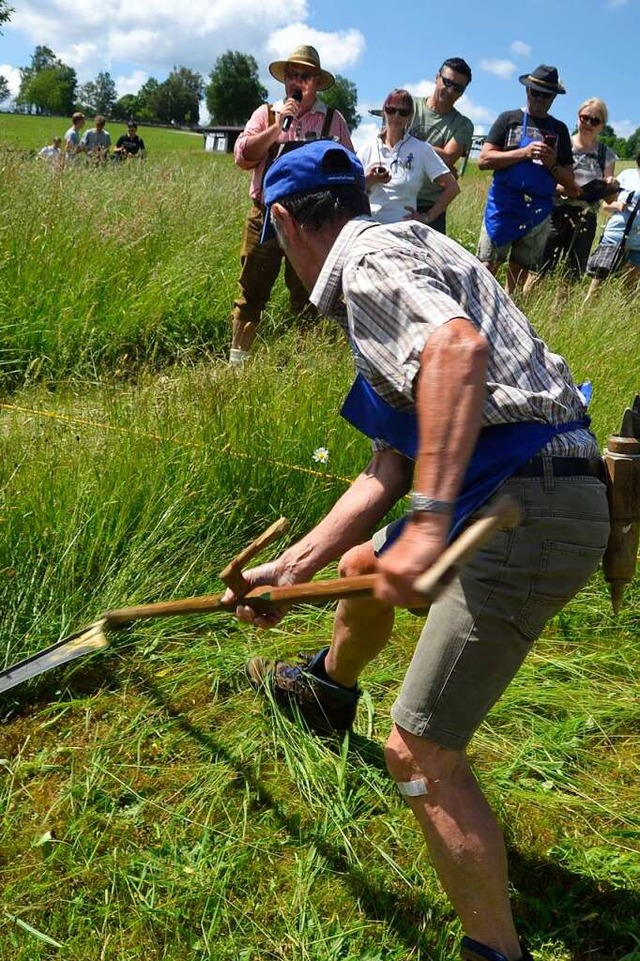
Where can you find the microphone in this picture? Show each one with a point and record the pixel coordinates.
(297, 96)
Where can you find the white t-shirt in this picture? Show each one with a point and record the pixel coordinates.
(629, 180)
(410, 162)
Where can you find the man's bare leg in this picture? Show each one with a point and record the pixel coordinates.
(362, 626)
(464, 840)
(243, 334)
(516, 275)
(492, 266)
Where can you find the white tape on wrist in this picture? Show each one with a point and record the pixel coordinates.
(416, 788)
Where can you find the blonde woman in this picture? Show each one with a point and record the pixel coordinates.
(397, 164)
(573, 219)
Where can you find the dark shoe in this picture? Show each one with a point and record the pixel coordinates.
(327, 708)
(471, 950)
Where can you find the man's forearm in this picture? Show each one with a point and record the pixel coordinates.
(450, 397)
(352, 518)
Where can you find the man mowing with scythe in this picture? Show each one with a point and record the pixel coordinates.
(460, 398)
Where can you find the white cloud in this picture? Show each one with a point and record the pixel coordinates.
(153, 35)
(504, 69)
(12, 76)
(338, 51)
(520, 49)
(617, 3)
(365, 133)
(623, 128)
(132, 83)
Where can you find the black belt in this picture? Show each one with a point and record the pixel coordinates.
(562, 467)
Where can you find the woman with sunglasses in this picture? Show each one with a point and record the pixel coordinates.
(396, 165)
(573, 219)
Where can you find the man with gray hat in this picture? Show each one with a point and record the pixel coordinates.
(300, 116)
(530, 152)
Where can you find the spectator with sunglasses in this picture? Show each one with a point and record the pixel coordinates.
(529, 152)
(397, 164)
(437, 122)
(299, 116)
(573, 219)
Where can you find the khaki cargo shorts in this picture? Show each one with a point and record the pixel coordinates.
(526, 251)
(478, 634)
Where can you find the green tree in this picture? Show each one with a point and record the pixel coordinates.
(178, 98)
(5, 92)
(126, 107)
(619, 147)
(146, 98)
(5, 12)
(234, 89)
(47, 85)
(633, 143)
(343, 96)
(99, 95)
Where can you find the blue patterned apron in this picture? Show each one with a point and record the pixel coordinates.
(520, 197)
(499, 451)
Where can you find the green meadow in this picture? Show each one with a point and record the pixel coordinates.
(152, 806)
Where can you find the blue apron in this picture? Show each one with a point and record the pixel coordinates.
(499, 451)
(520, 197)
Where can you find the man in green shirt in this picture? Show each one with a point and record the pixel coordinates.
(438, 122)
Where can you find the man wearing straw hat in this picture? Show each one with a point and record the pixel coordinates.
(300, 116)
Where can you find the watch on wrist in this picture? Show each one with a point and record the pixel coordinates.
(420, 503)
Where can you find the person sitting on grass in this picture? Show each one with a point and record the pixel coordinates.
(72, 143)
(460, 398)
(97, 141)
(52, 152)
(130, 144)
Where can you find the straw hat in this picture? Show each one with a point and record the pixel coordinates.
(303, 56)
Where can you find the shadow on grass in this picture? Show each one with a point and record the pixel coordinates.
(595, 920)
(401, 910)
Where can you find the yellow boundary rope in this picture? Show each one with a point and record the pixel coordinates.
(95, 425)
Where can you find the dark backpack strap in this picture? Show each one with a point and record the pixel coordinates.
(602, 157)
(326, 126)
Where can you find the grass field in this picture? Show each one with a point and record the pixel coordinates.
(151, 805)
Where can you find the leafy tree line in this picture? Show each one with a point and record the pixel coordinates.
(49, 86)
(625, 149)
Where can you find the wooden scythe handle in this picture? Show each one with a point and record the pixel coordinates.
(232, 574)
(504, 513)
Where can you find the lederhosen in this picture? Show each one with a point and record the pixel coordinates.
(260, 263)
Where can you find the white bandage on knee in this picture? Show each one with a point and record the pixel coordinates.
(416, 788)
(238, 357)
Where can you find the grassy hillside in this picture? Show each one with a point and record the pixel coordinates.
(152, 807)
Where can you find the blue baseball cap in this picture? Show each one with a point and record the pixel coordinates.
(312, 166)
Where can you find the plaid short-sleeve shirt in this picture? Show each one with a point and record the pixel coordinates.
(392, 285)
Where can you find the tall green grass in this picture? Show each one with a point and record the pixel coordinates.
(151, 805)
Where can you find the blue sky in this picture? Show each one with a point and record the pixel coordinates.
(594, 43)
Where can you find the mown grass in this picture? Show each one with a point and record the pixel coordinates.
(151, 805)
